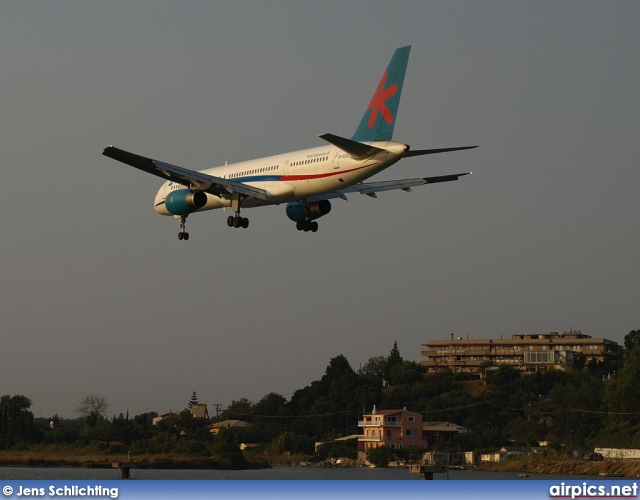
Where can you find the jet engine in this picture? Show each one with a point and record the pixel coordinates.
(295, 210)
(184, 201)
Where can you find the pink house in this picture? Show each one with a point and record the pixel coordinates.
(392, 428)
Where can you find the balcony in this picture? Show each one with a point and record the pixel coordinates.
(367, 423)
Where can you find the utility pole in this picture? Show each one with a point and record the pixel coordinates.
(218, 406)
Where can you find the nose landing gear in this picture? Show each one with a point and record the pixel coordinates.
(183, 235)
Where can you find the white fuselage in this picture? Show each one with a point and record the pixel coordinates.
(297, 175)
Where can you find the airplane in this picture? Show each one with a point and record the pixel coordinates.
(305, 180)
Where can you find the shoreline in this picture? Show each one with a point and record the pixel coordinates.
(567, 466)
(532, 464)
(141, 462)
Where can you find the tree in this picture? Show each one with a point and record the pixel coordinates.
(622, 392)
(93, 407)
(579, 361)
(394, 356)
(16, 421)
(374, 367)
(406, 372)
(631, 340)
(229, 454)
(504, 376)
(338, 368)
(393, 359)
(334, 401)
(293, 443)
(380, 455)
(267, 411)
(238, 410)
(55, 421)
(337, 449)
(484, 366)
(194, 400)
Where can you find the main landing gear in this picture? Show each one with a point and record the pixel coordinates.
(307, 224)
(237, 221)
(183, 235)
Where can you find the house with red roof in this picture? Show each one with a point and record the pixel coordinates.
(393, 428)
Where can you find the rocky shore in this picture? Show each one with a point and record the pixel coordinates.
(567, 466)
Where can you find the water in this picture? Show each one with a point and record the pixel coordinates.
(286, 473)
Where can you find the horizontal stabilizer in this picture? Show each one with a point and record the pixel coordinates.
(357, 150)
(443, 178)
(420, 152)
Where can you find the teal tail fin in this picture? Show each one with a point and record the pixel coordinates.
(380, 117)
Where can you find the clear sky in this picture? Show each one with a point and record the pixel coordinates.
(98, 296)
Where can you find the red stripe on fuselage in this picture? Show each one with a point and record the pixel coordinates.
(303, 177)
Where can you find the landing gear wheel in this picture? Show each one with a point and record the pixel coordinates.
(183, 235)
(237, 221)
(306, 224)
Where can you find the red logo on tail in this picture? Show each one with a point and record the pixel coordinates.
(377, 101)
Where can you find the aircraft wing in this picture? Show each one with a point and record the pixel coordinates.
(371, 188)
(190, 178)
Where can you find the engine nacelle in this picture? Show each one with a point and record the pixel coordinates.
(295, 210)
(184, 201)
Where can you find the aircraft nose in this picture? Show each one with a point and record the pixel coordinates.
(159, 204)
